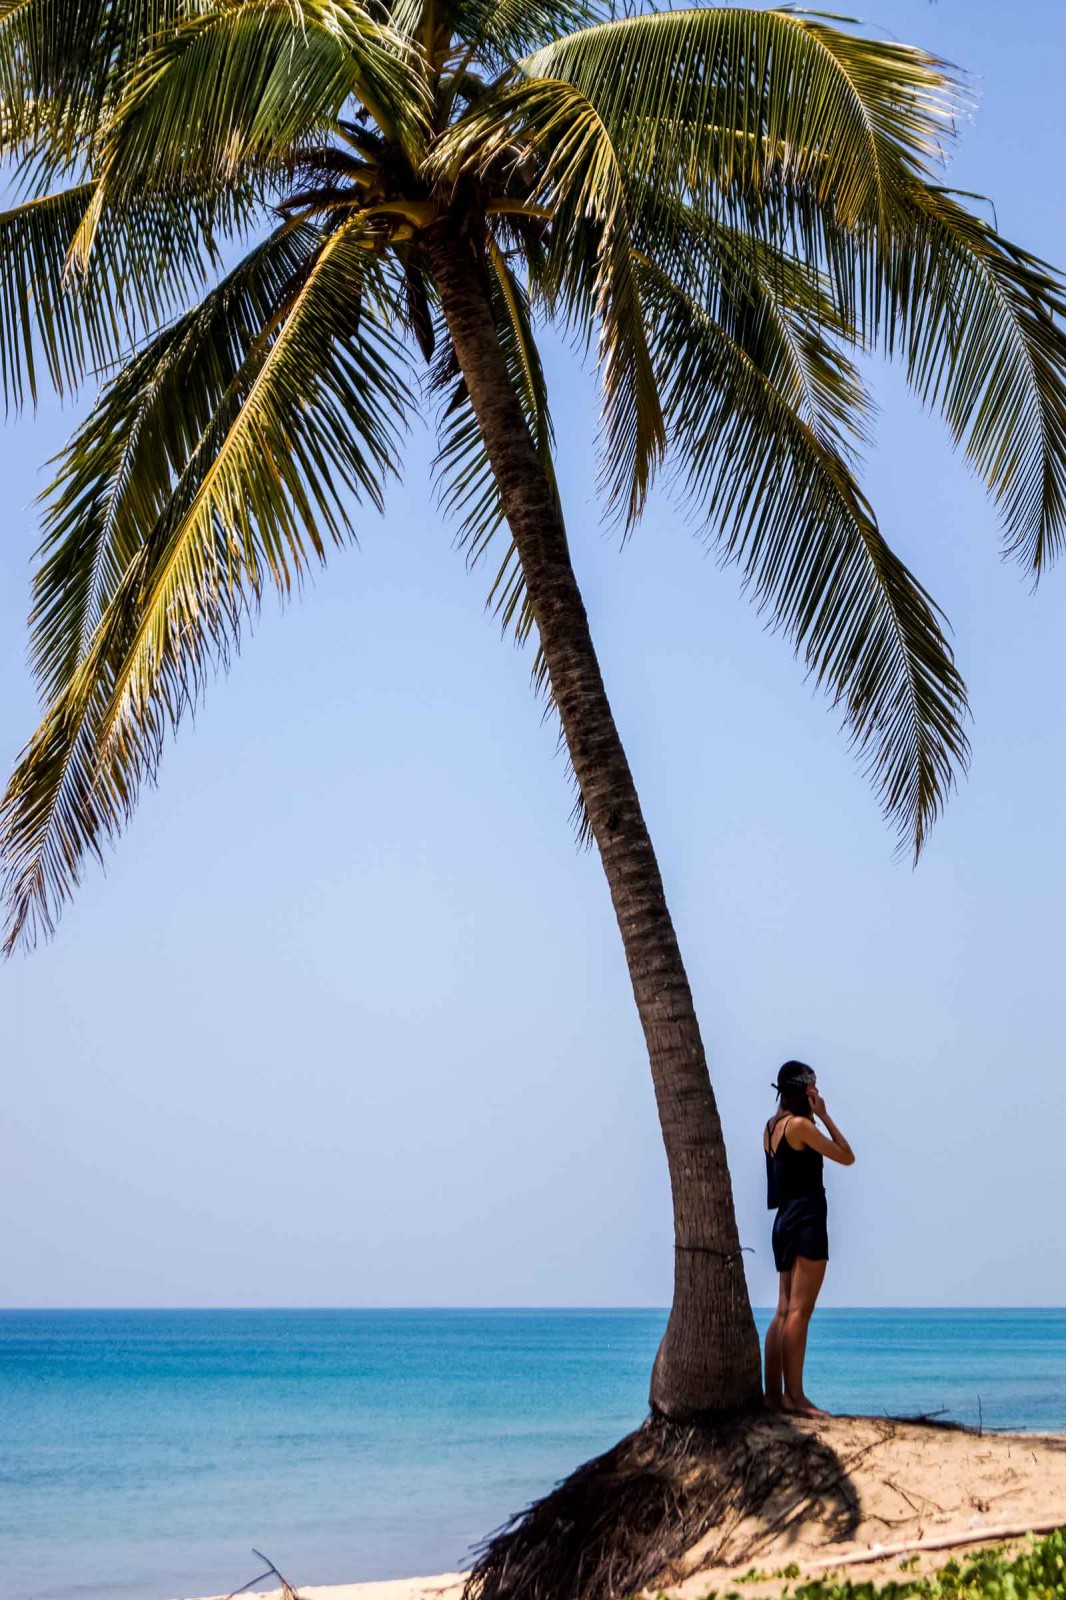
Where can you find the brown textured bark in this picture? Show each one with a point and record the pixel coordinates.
(709, 1356)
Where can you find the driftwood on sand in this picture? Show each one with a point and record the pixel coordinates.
(947, 1541)
(286, 1591)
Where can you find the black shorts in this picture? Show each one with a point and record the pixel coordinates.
(800, 1230)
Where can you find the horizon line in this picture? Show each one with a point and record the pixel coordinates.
(484, 1309)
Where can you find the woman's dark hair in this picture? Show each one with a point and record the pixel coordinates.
(792, 1081)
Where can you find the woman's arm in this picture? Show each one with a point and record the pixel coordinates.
(836, 1147)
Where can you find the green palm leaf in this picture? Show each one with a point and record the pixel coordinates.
(587, 271)
(148, 261)
(117, 476)
(709, 100)
(784, 506)
(267, 480)
(513, 27)
(491, 33)
(62, 63)
(742, 279)
(796, 325)
(309, 419)
(723, 203)
(239, 87)
(982, 325)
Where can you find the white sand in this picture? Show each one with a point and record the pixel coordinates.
(914, 1484)
(445, 1586)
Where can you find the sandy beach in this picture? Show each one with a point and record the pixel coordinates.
(935, 1492)
(445, 1586)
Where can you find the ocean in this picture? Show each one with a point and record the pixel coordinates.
(143, 1454)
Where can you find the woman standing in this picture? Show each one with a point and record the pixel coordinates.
(794, 1149)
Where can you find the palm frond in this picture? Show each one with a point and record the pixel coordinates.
(62, 63)
(148, 262)
(308, 420)
(238, 87)
(980, 326)
(839, 167)
(514, 27)
(743, 281)
(494, 34)
(708, 100)
(588, 270)
(117, 475)
(783, 505)
(983, 326)
(797, 325)
(268, 480)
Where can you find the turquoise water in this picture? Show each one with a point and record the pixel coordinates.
(144, 1453)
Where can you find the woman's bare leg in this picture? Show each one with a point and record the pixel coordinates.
(806, 1280)
(774, 1332)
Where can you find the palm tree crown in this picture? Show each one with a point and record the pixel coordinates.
(724, 205)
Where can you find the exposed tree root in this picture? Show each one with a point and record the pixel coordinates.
(665, 1501)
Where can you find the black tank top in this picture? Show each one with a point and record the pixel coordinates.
(790, 1174)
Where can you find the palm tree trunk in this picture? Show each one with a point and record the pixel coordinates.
(709, 1356)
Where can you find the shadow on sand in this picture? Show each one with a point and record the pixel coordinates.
(667, 1500)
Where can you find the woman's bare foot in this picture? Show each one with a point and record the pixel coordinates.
(772, 1402)
(802, 1407)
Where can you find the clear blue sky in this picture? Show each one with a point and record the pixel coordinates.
(347, 1021)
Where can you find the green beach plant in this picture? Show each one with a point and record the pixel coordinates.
(723, 207)
(1036, 1572)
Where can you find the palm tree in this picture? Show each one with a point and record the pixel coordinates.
(724, 205)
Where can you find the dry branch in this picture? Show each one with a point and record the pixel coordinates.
(945, 1541)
